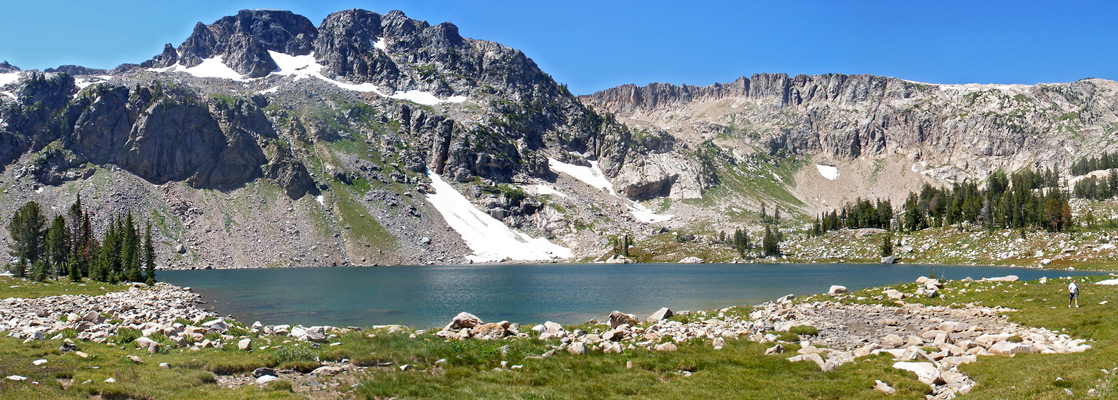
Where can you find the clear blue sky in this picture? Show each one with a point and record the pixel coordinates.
(593, 45)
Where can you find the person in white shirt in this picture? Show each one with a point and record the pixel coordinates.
(1073, 294)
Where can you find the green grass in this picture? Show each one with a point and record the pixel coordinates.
(362, 225)
(26, 289)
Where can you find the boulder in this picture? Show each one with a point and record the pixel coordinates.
(889, 260)
(147, 344)
(618, 318)
(1006, 348)
(93, 317)
(836, 290)
(577, 348)
(660, 315)
(327, 370)
(263, 371)
(778, 349)
(551, 330)
(818, 360)
(926, 372)
(691, 260)
(490, 331)
(718, 343)
(462, 320)
(265, 379)
(612, 347)
(245, 344)
(666, 347)
(217, 325)
(894, 294)
(892, 341)
(616, 334)
(1007, 278)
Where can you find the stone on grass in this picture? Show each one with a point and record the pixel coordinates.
(836, 290)
(618, 318)
(926, 372)
(245, 344)
(660, 315)
(551, 330)
(666, 347)
(577, 348)
(778, 349)
(265, 379)
(884, 388)
(816, 358)
(463, 320)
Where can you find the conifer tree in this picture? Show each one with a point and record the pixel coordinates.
(26, 229)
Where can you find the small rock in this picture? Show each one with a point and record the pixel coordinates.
(884, 388)
(260, 380)
(16, 378)
(164, 365)
(39, 362)
(836, 290)
(263, 371)
(778, 349)
(245, 344)
(135, 359)
(577, 348)
(110, 380)
(666, 347)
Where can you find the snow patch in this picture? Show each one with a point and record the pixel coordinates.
(1108, 282)
(39, 190)
(307, 67)
(828, 171)
(591, 175)
(8, 78)
(10, 94)
(594, 177)
(490, 239)
(544, 189)
(213, 67)
(380, 44)
(643, 214)
(320, 199)
(267, 91)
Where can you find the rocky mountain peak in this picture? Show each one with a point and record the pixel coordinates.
(243, 42)
(5, 67)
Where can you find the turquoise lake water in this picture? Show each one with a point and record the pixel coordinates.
(429, 296)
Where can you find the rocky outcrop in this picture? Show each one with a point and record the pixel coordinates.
(243, 42)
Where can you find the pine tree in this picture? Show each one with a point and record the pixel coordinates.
(26, 229)
(58, 247)
(771, 243)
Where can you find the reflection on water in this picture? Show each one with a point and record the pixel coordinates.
(429, 296)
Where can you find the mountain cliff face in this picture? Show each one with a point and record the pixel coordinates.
(961, 131)
(343, 121)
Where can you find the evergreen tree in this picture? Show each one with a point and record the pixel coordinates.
(887, 245)
(771, 242)
(58, 247)
(26, 229)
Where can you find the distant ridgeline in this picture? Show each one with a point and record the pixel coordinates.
(1024, 199)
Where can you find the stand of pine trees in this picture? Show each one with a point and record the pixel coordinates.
(1025, 199)
(68, 247)
(1087, 165)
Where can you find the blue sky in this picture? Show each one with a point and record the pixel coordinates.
(593, 45)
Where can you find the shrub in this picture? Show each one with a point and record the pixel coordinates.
(1015, 339)
(804, 330)
(126, 335)
(294, 354)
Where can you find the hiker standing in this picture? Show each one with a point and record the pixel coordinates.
(1073, 294)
